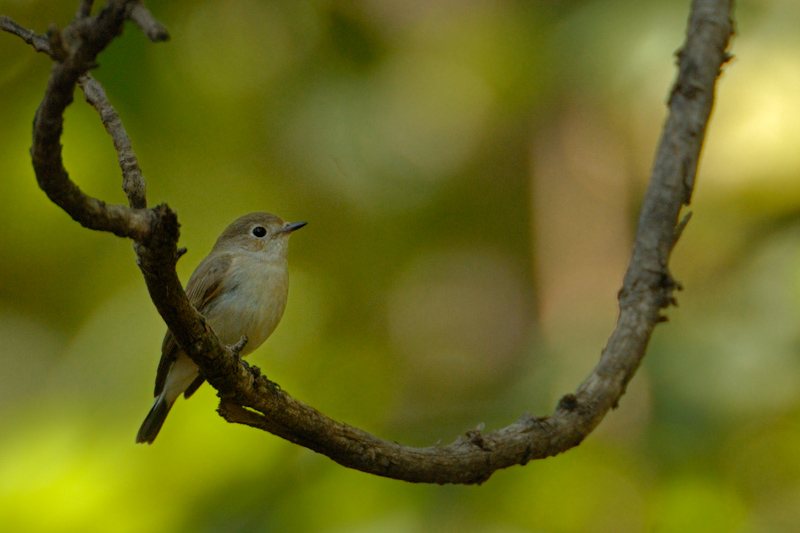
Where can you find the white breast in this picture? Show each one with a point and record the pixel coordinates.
(251, 301)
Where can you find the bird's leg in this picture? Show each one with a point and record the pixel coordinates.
(236, 349)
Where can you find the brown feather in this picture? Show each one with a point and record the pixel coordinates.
(194, 386)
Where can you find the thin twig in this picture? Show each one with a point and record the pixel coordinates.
(85, 9)
(39, 42)
(147, 23)
(132, 181)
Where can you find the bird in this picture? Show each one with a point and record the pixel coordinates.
(241, 288)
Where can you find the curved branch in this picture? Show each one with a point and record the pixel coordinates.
(155, 232)
(647, 288)
(249, 398)
(75, 50)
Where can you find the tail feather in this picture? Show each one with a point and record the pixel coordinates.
(154, 420)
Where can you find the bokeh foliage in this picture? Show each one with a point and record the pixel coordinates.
(471, 173)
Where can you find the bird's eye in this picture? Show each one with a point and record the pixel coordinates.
(259, 231)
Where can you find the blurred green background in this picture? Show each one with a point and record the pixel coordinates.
(471, 172)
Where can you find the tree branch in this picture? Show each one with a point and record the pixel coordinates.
(647, 288)
(147, 23)
(85, 9)
(249, 398)
(39, 42)
(75, 50)
(132, 181)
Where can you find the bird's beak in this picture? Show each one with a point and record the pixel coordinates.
(291, 226)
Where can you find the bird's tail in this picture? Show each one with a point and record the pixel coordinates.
(154, 420)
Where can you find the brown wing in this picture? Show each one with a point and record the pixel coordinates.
(201, 289)
(199, 380)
